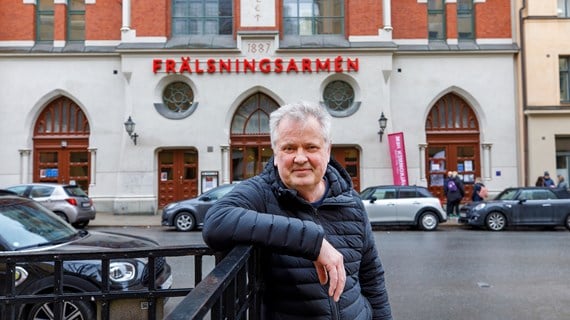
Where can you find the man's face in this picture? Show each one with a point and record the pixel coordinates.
(301, 154)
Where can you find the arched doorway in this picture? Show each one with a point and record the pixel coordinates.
(452, 133)
(61, 139)
(250, 142)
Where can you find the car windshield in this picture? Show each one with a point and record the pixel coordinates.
(75, 191)
(27, 224)
(508, 194)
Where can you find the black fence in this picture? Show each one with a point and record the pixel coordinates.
(228, 292)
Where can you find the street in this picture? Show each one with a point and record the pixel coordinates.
(453, 273)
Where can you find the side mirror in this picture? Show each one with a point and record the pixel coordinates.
(373, 199)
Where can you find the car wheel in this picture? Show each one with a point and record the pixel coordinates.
(567, 224)
(62, 215)
(81, 224)
(72, 310)
(428, 221)
(496, 221)
(184, 221)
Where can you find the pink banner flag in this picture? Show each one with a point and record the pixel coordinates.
(398, 156)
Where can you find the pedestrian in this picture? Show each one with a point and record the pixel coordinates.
(454, 192)
(548, 182)
(562, 184)
(319, 257)
(539, 181)
(479, 191)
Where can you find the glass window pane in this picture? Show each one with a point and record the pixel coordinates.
(77, 27)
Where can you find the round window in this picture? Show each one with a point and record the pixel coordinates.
(178, 97)
(339, 98)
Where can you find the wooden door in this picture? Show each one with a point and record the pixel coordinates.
(349, 158)
(177, 175)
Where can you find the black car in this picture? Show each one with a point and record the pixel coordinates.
(187, 215)
(523, 206)
(27, 226)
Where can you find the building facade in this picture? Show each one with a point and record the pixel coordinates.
(545, 87)
(199, 78)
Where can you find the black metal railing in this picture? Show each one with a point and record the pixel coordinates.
(228, 292)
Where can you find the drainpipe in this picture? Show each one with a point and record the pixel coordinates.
(524, 93)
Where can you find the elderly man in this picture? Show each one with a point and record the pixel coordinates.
(319, 259)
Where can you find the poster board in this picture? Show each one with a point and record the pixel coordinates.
(208, 180)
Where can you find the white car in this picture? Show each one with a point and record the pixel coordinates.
(403, 205)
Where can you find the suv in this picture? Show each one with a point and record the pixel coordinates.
(403, 205)
(26, 226)
(69, 202)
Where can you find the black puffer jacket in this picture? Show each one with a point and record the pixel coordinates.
(290, 232)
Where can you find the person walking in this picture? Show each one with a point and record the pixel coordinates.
(454, 192)
(479, 191)
(548, 182)
(562, 183)
(319, 257)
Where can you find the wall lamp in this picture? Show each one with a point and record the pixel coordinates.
(382, 123)
(130, 128)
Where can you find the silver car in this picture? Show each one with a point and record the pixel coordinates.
(69, 202)
(403, 205)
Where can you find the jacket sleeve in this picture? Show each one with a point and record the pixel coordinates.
(240, 218)
(372, 277)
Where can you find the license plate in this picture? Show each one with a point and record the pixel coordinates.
(463, 215)
(86, 205)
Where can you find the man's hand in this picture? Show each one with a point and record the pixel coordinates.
(330, 266)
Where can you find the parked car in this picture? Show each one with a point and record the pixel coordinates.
(403, 205)
(69, 202)
(523, 206)
(27, 226)
(189, 214)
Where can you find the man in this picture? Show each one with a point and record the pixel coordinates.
(548, 182)
(319, 255)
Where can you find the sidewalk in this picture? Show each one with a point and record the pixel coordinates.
(108, 219)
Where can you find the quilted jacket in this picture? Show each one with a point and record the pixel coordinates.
(289, 230)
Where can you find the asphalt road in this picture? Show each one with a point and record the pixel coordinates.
(454, 273)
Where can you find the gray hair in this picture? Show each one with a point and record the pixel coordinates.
(300, 111)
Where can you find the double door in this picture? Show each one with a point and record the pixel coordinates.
(62, 161)
(177, 175)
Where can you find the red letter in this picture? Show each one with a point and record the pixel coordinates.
(324, 66)
(211, 63)
(352, 64)
(185, 65)
(170, 66)
(225, 66)
(292, 66)
(156, 65)
(265, 65)
(306, 65)
(248, 65)
(278, 65)
(338, 64)
(197, 66)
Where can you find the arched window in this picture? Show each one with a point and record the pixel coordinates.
(252, 117)
(61, 117)
(451, 113)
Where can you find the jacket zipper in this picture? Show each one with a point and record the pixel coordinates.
(335, 314)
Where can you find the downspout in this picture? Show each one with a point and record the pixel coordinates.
(524, 93)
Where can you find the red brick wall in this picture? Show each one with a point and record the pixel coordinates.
(364, 17)
(451, 20)
(150, 18)
(17, 20)
(493, 19)
(59, 23)
(409, 19)
(103, 20)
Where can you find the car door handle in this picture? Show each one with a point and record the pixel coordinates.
(546, 205)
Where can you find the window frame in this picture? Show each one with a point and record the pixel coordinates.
(466, 12)
(564, 76)
(44, 12)
(315, 21)
(563, 12)
(439, 13)
(202, 19)
(71, 12)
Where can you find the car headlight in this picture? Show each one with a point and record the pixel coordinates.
(122, 271)
(20, 275)
(480, 206)
(171, 205)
